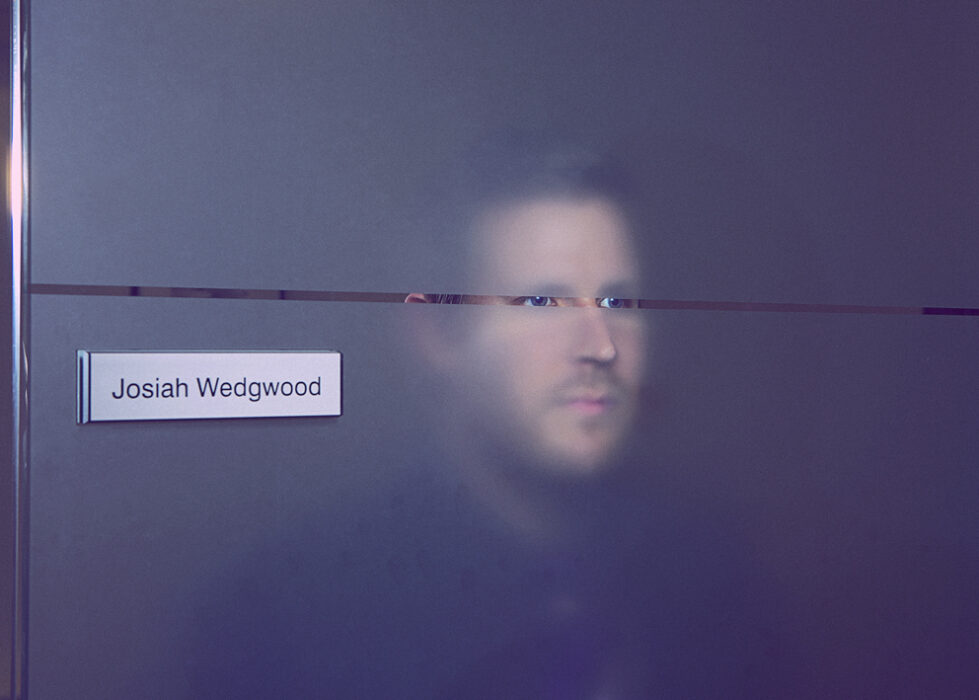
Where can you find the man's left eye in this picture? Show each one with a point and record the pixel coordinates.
(537, 301)
(614, 303)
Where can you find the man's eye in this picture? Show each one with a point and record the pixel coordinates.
(537, 301)
(614, 303)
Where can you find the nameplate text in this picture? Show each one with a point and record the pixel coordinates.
(131, 386)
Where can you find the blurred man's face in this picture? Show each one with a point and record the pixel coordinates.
(553, 370)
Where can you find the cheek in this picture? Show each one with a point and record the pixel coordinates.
(630, 341)
(517, 338)
(514, 357)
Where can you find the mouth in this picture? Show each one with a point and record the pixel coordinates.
(590, 405)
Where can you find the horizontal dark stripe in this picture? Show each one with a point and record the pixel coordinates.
(398, 297)
(943, 311)
(778, 307)
(211, 293)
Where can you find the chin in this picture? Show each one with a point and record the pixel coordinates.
(580, 463)
(583, 448)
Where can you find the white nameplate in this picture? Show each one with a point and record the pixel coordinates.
(124, 386)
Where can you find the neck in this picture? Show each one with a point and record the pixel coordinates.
(540, 508)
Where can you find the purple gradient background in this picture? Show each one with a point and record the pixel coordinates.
(791, 153)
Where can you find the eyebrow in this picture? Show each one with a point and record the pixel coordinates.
(620, 289)
(549, 289)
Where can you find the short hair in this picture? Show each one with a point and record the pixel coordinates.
(525, 166)
(444, 298)
(518, 166)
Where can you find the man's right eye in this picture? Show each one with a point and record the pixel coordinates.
(536, 301)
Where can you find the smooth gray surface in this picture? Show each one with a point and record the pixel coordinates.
(131, 521)
(838, 452)
(786, 153)
(795, 153)
(846, 448)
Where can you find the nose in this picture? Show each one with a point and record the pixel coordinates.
(594, 342)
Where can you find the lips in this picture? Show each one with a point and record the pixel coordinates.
(591, 406)
(590, 401)
(591, 394)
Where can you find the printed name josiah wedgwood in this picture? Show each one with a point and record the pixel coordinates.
(215, 387)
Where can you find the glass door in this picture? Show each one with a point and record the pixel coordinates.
(656, 338)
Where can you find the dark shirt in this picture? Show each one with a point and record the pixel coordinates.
(420, 592)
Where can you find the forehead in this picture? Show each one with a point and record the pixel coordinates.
(583, 245)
